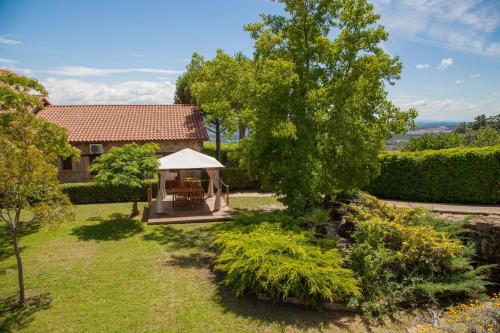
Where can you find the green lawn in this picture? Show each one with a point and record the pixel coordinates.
(105, 273)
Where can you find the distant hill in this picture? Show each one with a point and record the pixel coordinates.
(423, 127)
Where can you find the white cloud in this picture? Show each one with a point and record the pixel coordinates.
(7, 61)
(445, 63)
(73, 91)
(9, 41)
(81, 71)
(474, 76)
(460, 81)
(467, 25)
(448, 109)
(422, 66)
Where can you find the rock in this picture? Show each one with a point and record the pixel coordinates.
(488, 230)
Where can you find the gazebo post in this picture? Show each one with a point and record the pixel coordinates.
(160, 195)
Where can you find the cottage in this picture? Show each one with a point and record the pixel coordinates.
(95, 129)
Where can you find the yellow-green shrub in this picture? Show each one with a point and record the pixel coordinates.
(400, 262)
(282, 263)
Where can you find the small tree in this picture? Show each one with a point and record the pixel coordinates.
(222, 89)
(28, 148)
(130, 165)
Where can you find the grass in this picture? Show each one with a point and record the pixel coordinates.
(105, 273)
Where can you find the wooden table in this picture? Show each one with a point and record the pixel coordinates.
(187, 191)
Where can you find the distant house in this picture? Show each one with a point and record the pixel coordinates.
(95, 129)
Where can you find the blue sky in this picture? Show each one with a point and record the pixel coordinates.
(132, 51)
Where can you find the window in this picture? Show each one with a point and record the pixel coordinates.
(67, 164)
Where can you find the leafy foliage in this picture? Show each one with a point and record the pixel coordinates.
(403, 255)
(230, 153)
(487, 136)
(130, 165)
(468, 175)
(282, 263)
(435, 142)
(28, 148)
(222, 88)
(16, 92)
(322, 114)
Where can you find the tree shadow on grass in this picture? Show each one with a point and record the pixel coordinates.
(192, 260)
(285, 314)
(179, 238)
(6, 247)
(14, 317)
(111, 228)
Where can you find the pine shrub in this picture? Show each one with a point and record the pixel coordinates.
(282, 263)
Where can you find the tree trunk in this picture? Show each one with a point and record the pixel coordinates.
(243, 131)
(135, 209)
(217, 140)
(20, 274)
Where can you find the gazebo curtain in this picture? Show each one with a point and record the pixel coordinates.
(213, 174)
(162, 193)
(214, 180)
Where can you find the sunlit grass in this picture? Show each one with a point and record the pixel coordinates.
(105, 273)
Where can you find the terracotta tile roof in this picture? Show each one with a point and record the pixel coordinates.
(108, 123)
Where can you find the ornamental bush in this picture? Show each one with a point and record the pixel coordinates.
(403, 262)
(467, 175)
(282, 263)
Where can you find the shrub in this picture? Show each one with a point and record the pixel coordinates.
(282, 263)
(400, 263)
(82, 193)
(434, 141)
(468, 175)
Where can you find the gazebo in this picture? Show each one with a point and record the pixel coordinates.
(188, 159)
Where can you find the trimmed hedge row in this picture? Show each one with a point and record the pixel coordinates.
(82, 193)
(461, 175)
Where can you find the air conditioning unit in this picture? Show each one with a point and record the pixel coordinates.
(96, 148)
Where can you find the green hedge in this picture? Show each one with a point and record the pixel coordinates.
(237, 179)
(229, 153)
(462, 175)
(82, 193)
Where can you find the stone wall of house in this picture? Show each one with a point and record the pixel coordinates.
(80, 173)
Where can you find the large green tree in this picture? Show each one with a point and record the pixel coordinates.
(29, 146)
(222, 88)
(321, 111)
(130, 165)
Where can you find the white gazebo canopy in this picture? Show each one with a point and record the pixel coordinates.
(187, 159)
